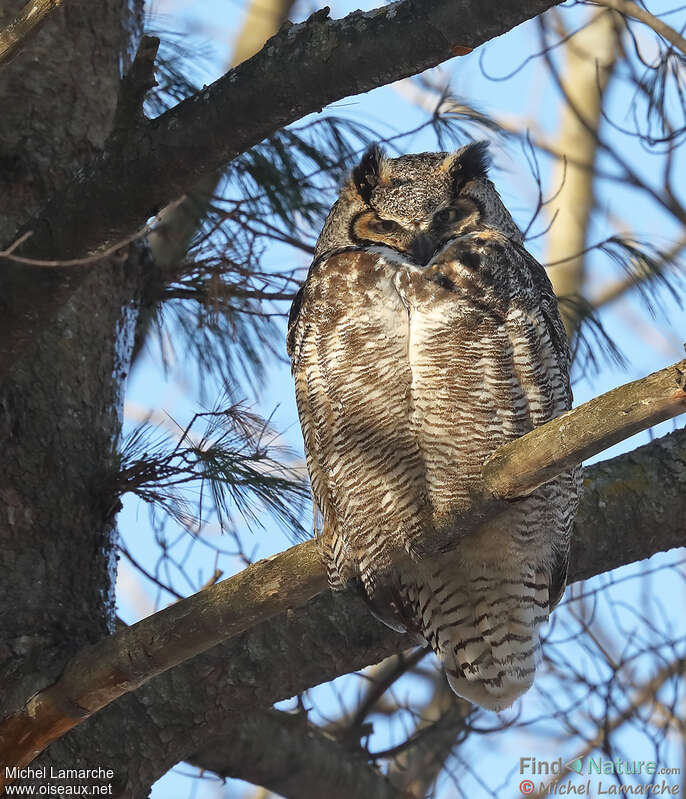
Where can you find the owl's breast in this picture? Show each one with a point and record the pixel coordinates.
(470, 278)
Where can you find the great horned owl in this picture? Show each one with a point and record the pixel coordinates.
(424, 337)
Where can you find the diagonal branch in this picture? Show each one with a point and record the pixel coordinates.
(23, 27)
(334, 633)
(97, 675)
(631, 9)
(299, 71)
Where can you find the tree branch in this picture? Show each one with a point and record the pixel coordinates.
(100, 673)
(630, 9)
(137, 82)
(295, 759)
(299, 71)
(590, 58)
(23, 27)
(643, 490)
(427, 749)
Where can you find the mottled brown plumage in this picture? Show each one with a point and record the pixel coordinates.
(424, 337)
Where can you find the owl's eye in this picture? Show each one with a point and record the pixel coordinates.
(447, 216)
(386, 225)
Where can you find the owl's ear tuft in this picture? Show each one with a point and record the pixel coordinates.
(469, 162)
(370, 172)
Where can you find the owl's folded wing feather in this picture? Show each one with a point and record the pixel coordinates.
(348, 341)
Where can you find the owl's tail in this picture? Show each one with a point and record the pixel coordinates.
(483, 628)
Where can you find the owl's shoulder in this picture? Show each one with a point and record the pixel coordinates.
(333, 278)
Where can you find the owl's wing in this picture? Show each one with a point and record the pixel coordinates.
(348, 342)
(314, 409)
(548, 306)
(569, 482)
(507, 364)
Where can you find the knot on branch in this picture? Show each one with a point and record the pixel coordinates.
(137, 82)
(681, 379)
(321, 15)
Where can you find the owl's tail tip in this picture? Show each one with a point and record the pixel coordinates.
(493, 695)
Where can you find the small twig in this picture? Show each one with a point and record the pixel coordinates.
(91, 259)
(399, 665)
(631, 9)
(23, 27)
(17, 243)
(125, 552)
(214, 579)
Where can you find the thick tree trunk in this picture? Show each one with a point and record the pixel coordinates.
(60, 408)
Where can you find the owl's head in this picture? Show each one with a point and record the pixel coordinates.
(416, 203)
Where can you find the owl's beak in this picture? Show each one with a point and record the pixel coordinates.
(422, 248)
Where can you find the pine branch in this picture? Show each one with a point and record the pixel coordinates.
(117, 665)
(227, 466)
(178, 224)
(643, 273)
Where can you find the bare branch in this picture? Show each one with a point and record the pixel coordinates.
(335, 633)
(435, 736)
(630, 9)
(517, 468)
(23, 27)
(99, 674)
(299, 760)
(382, 679)
(644, 695)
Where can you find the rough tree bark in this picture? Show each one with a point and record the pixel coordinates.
(60, 409)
